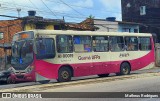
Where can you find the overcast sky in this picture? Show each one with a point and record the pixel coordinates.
(72, 10)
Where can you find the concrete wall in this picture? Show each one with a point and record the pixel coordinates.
(33, 26)
(132, 27)
(9, 28)
(104, 25)
(110, 26)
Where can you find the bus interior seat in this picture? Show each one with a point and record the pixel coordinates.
(79, 47)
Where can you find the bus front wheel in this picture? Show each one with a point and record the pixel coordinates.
(125, 69)
(64, 74)
(10, 80)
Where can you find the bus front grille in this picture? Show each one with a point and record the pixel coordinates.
(20, 76)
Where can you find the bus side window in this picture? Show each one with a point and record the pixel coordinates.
(64, 43)
(132, 43)
(100, 43)
(116, 43)
(82, 43)
(41, 48)
(45, 48)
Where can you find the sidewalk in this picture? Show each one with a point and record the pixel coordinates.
(152, 70)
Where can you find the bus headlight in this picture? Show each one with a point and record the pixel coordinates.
(29, 69)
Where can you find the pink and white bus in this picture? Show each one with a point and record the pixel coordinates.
(42, 55)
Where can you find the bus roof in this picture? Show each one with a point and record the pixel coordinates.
(71, 32)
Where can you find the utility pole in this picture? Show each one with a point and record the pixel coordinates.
(18, 10)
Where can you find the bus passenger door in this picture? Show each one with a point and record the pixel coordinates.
(100, 56)
(82, 64)
(83, 55)
(101, 63)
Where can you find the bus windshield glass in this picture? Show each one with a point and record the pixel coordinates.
(22, 54)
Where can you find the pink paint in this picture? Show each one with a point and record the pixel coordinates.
(27, 77)
(46, 69)
(50, 70)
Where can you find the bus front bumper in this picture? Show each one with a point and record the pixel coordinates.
(23, 77)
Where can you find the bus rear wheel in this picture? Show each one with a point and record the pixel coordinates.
(64, 74)
(103, 75)
(125, 69)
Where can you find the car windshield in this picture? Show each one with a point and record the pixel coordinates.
(22, 54)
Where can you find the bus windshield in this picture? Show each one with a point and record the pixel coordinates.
(22, 54)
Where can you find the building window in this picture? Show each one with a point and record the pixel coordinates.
(57, 27)
(143, 10)
(40, 26)
(116, 43)
(64, 44)
(128, 5)
(82, 43)
(131, 43)
(126, 29)
(135, 30)
(1, 35)
(100, 44)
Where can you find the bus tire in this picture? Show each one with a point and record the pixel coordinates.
(64, 74)
(44, 81)
(125, 69)
(103, 75)
(10, 80)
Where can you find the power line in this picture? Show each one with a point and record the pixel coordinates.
(33, 4)
(49, 9)
(71, 7)
(45, 12)
(9, 16)
(14, 3)
(12, 9)
(86, 7)
(60, 14)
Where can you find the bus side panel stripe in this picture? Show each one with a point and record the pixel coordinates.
(46, 69)
(50, 70)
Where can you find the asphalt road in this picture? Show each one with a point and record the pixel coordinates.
(4, 86)
(146, 84)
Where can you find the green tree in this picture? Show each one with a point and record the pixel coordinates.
(91, 17)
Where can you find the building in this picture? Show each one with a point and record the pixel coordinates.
(9, 27)
(110, 25)
(143, 11)
(86, 25)
(36, 22)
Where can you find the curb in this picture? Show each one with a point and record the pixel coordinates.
(37, 88)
